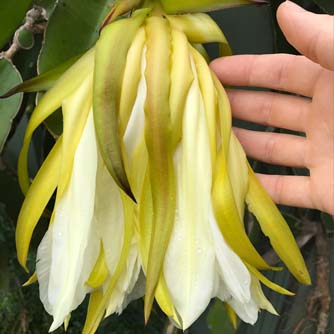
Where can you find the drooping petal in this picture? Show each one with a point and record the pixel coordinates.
(260, 298)
(233, 272)
(159, 146)
(126, 281)
(109, 216)
(75, 109)
(247, 312)
(134, 135)
(238, 173)
(37, 198)
(111, 52)
(95, 300)
(50, 102)
(200, 28)
(226, 210)
(208, 91)
(43, 262)
(96, 315)
(276, 229)
(271, 285)
(42, 82)
(133, 86)
(100, 271)
(189, 263)
(75, 246)
(182, 78)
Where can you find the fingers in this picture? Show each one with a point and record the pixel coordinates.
(288, 190)
(311, 34)
(295, 74)
(270, 109)
(273, 148)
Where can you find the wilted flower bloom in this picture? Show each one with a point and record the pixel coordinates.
(150, 182)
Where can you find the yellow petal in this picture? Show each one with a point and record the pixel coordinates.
(182, 77)
(110, 60)
(276, 229)
(145, 232)
(200, 28)
(50, 102)
(209, 98)
(95, 301)
(100, 271)
(159, 146)
(76, 108)
(260, 298)
(37, 198)
(238, 173)
(131, 79)
(268, 283)
(227, 212)
(33, 279)
(97, 313)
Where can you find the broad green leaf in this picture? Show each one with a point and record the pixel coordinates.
(12, 13)
(9, 77)
(73, 28)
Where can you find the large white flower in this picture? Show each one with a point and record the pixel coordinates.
(150, 182)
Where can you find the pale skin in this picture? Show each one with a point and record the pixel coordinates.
(311, 110)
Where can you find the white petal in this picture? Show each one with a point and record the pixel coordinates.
(260, 298)
(247, 312)
(135, 129)
(126, 283)
(189, 263)
(109, 216)
(136, 157)
(234, 274)
(75, 247)
(238, 172)
(43, 264)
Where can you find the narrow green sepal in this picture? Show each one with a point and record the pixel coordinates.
(110, 61)
(186, 6)
(42, 82)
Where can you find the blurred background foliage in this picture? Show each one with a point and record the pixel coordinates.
(37, 35)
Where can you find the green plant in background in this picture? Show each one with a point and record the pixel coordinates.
(65, 10)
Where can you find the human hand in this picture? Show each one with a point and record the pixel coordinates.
(311, 110)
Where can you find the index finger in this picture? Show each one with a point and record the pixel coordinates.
(312, 34)
(284, 72)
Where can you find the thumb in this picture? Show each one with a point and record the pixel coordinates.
(311, 34)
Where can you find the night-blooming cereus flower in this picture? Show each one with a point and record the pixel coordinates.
(150, 182)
